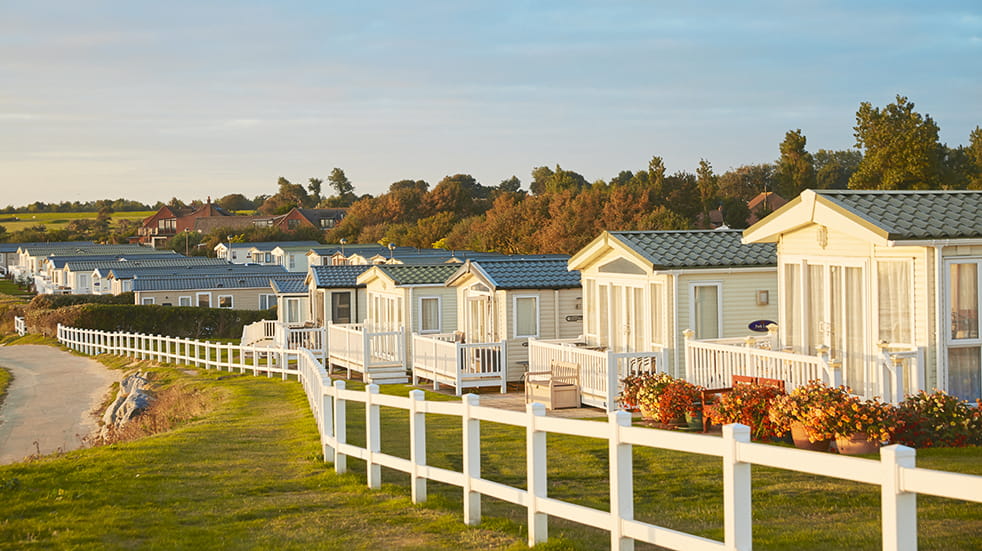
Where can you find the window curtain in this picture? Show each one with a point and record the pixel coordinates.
(894, 291)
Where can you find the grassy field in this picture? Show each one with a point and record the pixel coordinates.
(249, 475)
(57, 220)
(5, 379)
(9, 288)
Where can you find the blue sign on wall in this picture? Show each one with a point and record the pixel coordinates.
(759, 326)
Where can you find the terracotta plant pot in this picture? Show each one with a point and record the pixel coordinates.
(856, 444)
(650, 414)
(799, 433)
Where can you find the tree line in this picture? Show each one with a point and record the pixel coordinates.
(560, 211)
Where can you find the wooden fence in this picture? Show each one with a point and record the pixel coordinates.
(900, 481)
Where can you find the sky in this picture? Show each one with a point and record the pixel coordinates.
(152, 100)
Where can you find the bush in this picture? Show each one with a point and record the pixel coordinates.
(938, 419)
(649, 394)
(813, 405)
(185, 322)
(630, 385)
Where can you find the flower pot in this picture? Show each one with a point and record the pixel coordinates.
(856, 444)
(693, 421)
(799, 433)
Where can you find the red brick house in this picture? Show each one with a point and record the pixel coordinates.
(168, 222)
(323, 219)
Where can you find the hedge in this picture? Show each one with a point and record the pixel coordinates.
(173, 321)
(48, 302)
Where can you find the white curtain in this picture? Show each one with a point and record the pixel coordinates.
(894, 291)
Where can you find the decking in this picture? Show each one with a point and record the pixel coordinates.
(379, 356)
(442, 360)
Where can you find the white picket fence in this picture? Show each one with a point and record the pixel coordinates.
(20, 326)
(210, 355)
(442, 360)
(895, 473)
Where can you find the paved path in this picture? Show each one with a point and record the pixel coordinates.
(50, 400)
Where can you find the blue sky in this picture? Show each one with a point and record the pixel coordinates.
(153, 100)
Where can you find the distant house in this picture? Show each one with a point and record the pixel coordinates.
(297, 217)
(335, 294)
(9, 256)
(119, 278)
(256, 252)
(760, 206)
(167, 222)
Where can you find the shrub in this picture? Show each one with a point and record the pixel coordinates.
(48, 302)
(630, 385)
(938, 419)
(749, 405)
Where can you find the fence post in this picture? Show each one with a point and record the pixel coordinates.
(417, 442)
(613, 381)
(535, 451)
(621, 481)
(772, 335)
(748, 343)
(687, 335)
(472, 461)
(899, 508)
(503, 366)
(340, 428)
(327, 413)
(373, 440)
(737, 523)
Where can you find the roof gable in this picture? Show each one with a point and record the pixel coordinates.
(521, 273)
(679, 250)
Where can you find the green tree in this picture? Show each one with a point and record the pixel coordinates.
(541, 176)
(236, 202)
(340, 183)
(656, 175)
(974, 153)
(834, 168)
(735, 212)
(795, 167)
(707, 183)
(510, 185)
(314, 187)
(745, 182)
(288, 195)
(901, 148)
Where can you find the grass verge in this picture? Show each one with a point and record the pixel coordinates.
(6, 377)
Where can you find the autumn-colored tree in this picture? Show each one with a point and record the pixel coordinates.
(745, 182)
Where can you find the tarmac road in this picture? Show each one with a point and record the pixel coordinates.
(50, 401)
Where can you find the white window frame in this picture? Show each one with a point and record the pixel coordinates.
(268, 299)
(719, 304)
(197, 299)
(439, 314)
(231, 301)
(286, 307)
(147, 301)
(514, 305)
(181, 300)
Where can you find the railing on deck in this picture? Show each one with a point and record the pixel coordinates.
(211, 355)
(713, 365)
(600, 370)
(311, 338)
(358, 347)
(901, 369)
(442, 360)
(262, 330)
(20, 326)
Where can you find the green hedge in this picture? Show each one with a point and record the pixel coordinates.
(188, 322)
(48, 302)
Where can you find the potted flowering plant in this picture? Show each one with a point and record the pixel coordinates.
(678, 399)
(630, 385)
(747, 404)
(649, 394)
(861, 425)
(938, 419)
(807, 412)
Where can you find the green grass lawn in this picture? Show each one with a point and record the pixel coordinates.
(8, 287)
(5, 379)
(58, 220)
(249, 475)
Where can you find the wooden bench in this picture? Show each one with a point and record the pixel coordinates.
(712, 394)
(557, 388)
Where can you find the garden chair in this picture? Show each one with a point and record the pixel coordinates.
(557, 388)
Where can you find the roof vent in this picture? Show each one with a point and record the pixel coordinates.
(220, 285)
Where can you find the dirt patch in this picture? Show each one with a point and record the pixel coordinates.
(173, 405)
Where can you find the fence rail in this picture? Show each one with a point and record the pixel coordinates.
(895, 473)
(600, 370)
(713, 365)
(440, 359)
(210, 355)
(260, 331)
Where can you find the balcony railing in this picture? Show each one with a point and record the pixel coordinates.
(442, 360)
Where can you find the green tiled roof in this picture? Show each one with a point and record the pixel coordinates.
(529, 274)
(338, 276)
(403, 274)
(915, 215)
(698, 249)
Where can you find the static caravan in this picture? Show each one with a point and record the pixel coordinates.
(888, 281)
(240, 292)
(642, 290)
(514, 300)
(335, 294)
